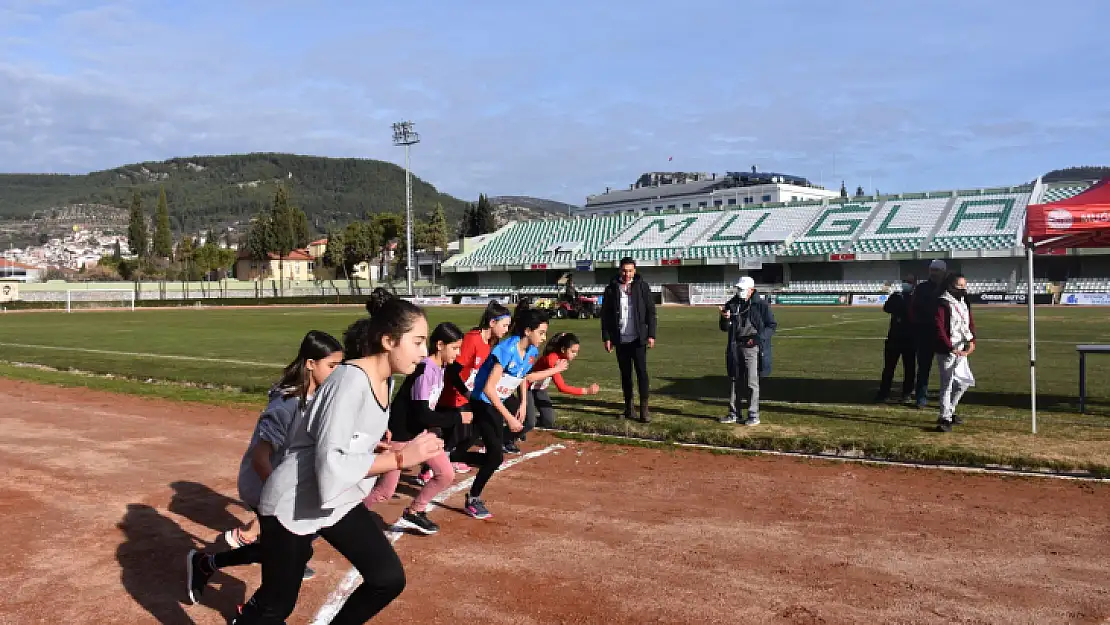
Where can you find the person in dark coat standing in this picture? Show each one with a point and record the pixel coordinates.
(628, 323)
(750, 324)
(923, 310)
(899, 343)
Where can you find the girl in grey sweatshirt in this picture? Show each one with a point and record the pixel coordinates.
(333, 456)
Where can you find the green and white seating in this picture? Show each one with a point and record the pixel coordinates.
(982, 222)
(900, 226)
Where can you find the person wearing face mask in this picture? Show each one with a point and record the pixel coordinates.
(955, 341)
(899, 343)
(750, 324)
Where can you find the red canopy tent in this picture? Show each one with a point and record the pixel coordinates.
(1082, 220)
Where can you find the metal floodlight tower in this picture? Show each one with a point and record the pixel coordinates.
(403, 134)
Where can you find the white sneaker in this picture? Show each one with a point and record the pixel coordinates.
(753, 419)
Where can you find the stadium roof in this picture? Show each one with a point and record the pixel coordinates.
(644, 193)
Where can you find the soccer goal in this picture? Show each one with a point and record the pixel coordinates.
(89, 299)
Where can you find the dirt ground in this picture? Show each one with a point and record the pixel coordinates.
(102, 496)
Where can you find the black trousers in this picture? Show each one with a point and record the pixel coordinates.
(895, 350)
(284, 554)
(631, 356)
(489, 426)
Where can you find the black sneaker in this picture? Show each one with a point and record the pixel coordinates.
(198, 570)
(308, 574)
(511, 448)
(476, 508)
(957, 420)
(943, 425)
(417, 521)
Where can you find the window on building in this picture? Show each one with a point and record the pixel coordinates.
(732, 201)
(703, 204)
(670, 206)
(748, 200)
(686, 205)
(658, 208)
(793, 198)
(766, 198)
(717, 202)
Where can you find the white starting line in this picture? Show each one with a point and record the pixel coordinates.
(352, 579)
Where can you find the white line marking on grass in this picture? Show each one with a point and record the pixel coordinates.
(351, 580)
(108, 352)
(987, 470)
(829, 325)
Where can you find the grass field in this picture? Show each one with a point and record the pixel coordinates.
(827, 362)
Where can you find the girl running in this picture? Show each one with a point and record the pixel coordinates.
(460, 376)
(413, 411)
(563, 346)
(318, 356)
(330, 465)
(493, 402)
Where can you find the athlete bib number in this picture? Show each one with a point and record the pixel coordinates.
(507, 384)
(433, 396)
(470, 380)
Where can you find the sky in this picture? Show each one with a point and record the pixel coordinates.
(563, 99)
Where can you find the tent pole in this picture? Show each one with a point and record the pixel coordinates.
(1032, 335)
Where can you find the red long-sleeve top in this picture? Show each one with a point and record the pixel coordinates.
(546, 362)
(459, 377)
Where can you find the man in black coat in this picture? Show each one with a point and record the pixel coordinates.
(899, 343)
(628, 323)
(750, 324)
(923, 310)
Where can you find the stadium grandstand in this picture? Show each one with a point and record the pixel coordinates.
(697, 233)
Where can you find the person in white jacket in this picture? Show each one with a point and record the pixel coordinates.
(955, 341)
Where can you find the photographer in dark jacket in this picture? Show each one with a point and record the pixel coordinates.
(628, 323)
(923, 310)
(899, 343)
(750, 324)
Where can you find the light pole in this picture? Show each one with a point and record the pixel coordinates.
(403, 134)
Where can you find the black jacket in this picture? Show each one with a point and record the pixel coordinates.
(642, 303)
(923, 307)
(759, 313)
(899, 310)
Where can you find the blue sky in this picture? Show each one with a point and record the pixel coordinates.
(561, 99)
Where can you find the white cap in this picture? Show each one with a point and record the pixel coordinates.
(938, 264)
(745, 283)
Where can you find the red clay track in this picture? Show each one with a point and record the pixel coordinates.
(102, 495)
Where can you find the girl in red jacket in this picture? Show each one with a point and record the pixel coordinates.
(562, 346)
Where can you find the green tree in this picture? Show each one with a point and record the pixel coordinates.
(436, 235)
(484, 219)
(258, 244)
(466, 225)
(301, 230)
(360, 243)
(437, 229)
(185, 249)
(390, 226)
(136, 227)
(163, 241)
(117, 253)
(333, 253)
(287, 232)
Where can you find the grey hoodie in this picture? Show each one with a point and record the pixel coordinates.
(273, 426)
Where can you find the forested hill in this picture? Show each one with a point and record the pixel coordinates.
(211, 191)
